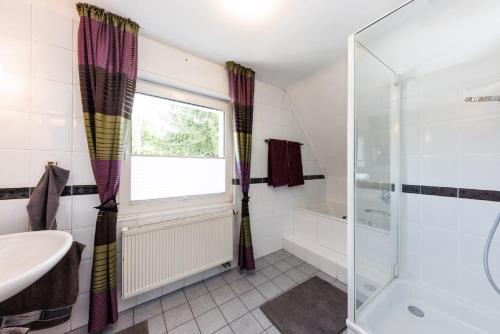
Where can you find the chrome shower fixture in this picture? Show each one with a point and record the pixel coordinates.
(483, 99)
(486, 255)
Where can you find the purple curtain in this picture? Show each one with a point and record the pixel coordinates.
(107, 64)
(241, 91)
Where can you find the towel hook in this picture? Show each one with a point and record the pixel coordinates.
(51, 163)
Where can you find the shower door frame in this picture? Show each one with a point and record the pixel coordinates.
(351, 288)
(351, 184)
(351, 156)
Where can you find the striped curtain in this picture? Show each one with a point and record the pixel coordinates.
(107, 64)
(241, 90)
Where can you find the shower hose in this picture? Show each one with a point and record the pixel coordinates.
(487, 249)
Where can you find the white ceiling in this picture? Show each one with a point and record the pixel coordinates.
(282, 40)
(431, 35)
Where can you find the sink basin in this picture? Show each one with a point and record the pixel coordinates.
(26, 257)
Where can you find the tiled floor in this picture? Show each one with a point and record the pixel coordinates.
(226, 303)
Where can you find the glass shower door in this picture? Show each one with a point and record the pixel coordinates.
(376, 175)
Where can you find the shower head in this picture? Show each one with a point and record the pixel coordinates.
(483, 99)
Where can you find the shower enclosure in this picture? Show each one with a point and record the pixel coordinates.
(424, 170)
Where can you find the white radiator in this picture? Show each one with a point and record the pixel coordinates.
(156, 254)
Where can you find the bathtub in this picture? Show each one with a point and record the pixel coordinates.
(329, 210)
(319, 237)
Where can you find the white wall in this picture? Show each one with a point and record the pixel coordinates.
(320, 103)
(41, 119)
(449, 143)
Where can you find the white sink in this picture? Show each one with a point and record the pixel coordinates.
(26, 257)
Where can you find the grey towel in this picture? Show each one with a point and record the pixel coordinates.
(44, 200)
(14, 330)
(48, 301)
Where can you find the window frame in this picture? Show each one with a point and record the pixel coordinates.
(128, 206)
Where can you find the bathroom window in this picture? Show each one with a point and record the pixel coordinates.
(180, 153)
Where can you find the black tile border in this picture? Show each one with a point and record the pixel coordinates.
(439, 191)
(410, 188)
(25, 192)
(14, 193)
(483, 195)
(314, 177)
(84, 190)
(385, 186)
(259, 180)
(77, 190)
(451, 192)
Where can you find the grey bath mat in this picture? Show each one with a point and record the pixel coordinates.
(140, 328)
(313, 307)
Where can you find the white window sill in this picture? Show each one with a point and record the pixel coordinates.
(155, 216)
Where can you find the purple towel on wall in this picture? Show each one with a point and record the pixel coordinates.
(278, 173)
(295, 164)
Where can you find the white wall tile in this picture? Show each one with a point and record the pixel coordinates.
(15, 132)
(256, 168)
(82, 169)
(51, 97)
(473, 287)
(14, 170)
(440, 139)
(80, 313)
(76, 25)
(480, 136)
(410, 208)
(15, 17)
(86, 237)
(52, 28)
(476, 217)
(459, 149)
(14, 92)
(84, 212)
(15, 54)
(260, 209)
(470, 252)
(77, 102)
(50, 133)
(410, 264)
(63, 216)
(439, 212)
(440, 245)
(410, 169)
(79, 136)
(477, 171)
(13, 216)
(38, 160)
(410, 141)
(51, 62)
(439, 171)
(438, 274)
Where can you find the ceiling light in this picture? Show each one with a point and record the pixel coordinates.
(251, 10)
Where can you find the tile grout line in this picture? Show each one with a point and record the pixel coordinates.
(248, 311)
(190, 308)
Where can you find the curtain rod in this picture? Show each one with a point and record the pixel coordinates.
(267, 141)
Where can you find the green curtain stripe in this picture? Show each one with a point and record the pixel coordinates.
(238, 69)
(99, 14)
(241, 91)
